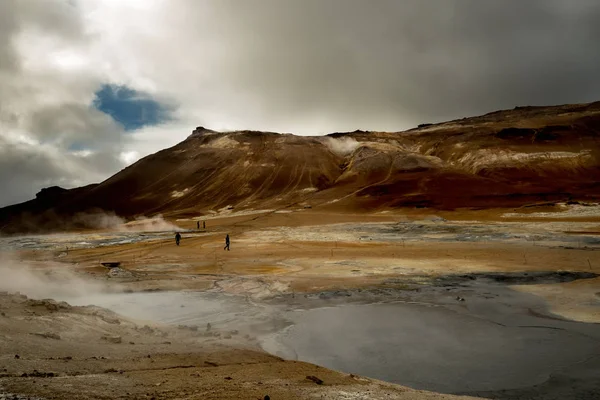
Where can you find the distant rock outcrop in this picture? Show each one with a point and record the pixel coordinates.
(51, 192)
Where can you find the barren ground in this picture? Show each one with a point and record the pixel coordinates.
(302, 260)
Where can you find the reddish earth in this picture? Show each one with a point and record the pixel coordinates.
(502, 159)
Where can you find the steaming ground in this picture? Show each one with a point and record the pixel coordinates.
(490, 304)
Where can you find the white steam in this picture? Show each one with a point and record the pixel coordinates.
(342, 146)
(154, 224)
(47, 281)
(108, 221)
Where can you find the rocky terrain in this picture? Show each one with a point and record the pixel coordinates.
(502, 159)
(51, 350)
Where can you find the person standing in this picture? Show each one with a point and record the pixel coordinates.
(198, 225)
(203, 224)
(177, 238)
(226, 243)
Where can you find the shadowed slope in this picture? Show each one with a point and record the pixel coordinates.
(501, 159)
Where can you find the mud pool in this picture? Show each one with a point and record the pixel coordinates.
(496, 340)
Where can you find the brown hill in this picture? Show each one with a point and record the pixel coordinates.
(501, 159)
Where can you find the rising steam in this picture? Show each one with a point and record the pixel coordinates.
(342, 146)
(47, 281)
(110, 221)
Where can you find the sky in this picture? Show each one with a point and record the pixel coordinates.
(88, 87)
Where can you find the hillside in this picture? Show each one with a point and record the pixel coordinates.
(506, 158)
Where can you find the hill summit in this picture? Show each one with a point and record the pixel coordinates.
(502, 159)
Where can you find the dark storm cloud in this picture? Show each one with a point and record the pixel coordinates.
(42, 108)
(412, 59)
(301, 66)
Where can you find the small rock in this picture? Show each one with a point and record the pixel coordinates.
(192, 328)
(47, 335)
(119, 273)
(17, 356)
(112, 339)
(228, 378)
(314, 379)
(146, 329)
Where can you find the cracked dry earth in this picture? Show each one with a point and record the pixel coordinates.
(51, 350)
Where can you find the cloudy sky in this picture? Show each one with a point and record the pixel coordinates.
(89, 86)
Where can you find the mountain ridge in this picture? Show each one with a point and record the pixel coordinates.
(506, 158)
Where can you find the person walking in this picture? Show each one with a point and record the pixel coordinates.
(177, 238)
(226, 243)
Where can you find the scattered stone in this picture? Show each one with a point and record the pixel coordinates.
(47, 335)
(212, 364)
(458, 298)
(3, 314)
(267, 397)
(166, 342)
(106, 317)
(228, 378)
(38, 374)
(146, 329)
(112, 339)
(314, 379)
(17, 356)
(119, 273)
(49, 304)
(110, 370)
(192, 328)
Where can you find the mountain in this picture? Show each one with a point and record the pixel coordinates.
(502, 159)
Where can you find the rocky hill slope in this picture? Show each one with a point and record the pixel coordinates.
(501, 159)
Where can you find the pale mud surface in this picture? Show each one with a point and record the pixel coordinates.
(455, 303)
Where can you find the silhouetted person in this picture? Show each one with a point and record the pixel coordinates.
(226, 243)
(203, 224)
(177, 238)
(198, 225)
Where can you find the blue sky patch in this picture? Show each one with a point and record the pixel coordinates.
(131, 108)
